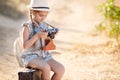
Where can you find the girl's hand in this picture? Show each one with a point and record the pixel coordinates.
(42, 34)
(56, 33)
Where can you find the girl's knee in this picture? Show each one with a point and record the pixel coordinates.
(60, 70)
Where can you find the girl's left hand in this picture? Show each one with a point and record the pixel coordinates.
(56, 33)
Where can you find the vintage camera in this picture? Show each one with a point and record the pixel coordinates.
(52, 32)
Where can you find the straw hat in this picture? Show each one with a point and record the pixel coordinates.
(39, 5)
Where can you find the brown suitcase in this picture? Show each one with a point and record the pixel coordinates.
(29, 75)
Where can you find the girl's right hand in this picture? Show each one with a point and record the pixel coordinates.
(42, 34)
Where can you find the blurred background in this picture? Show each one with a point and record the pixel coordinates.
(88, 44)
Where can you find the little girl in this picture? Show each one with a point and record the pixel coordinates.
(33, 56)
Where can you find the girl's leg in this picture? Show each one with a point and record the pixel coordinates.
(41, 65)
(57, 68)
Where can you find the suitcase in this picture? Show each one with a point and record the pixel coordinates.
(29, 75)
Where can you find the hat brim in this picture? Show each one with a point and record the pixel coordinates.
(39, 9)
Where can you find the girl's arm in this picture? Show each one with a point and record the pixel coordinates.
(27, 43)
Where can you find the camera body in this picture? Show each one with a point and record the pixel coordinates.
(52, 32)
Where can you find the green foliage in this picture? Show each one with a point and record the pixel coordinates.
(111, 13)
(101, 26)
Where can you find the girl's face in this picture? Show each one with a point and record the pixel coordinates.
(39, 16)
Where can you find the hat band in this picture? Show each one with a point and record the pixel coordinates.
(40, 7)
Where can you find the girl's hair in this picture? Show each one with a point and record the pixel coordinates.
(30, 15)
